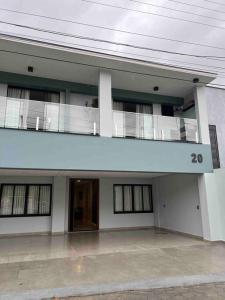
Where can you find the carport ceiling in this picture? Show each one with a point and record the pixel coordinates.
(78, 174)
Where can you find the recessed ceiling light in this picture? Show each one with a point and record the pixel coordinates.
(30, 69)
(195, 80)
(156, 88)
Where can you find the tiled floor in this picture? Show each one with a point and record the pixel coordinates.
(85, 260)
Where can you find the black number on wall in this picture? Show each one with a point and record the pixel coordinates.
(197, 158)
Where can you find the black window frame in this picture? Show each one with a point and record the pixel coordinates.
(26, 200)
(133, 211)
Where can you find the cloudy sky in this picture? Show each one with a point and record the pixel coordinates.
(193, 28)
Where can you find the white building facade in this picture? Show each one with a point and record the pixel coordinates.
(97, 142)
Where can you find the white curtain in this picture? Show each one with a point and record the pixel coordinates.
(44, 206)
(118, 119)
(138, 198)
(6, 200)
(19, 200)
(33, 195)
(16, 109)
(127, 198)
(147, 198)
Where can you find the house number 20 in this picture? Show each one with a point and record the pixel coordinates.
(197, 158)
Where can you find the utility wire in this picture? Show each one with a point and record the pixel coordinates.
(211, 57)
(176, 10)
(87, 47)
(95, 66)
(151, 13)
(194, 5)
(218, 3)
(113, 29)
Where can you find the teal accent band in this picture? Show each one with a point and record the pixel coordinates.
(131, 96)
(57, 85)
(21, 149)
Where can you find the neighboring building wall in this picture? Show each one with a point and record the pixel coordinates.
(176, 203)
(107, 218)
(25, 224)
(216, 116)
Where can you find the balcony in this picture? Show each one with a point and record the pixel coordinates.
(54, 117)
(154, 127)
(84, 152)
(46, 116)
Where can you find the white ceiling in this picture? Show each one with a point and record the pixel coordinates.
(52, 61)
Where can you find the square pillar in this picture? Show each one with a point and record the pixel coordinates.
(157, 109)
(202, 114)
(207, 191)
(105, 104)
(59, 202)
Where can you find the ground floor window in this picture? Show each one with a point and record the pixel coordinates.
(133, 198)
(25, 200)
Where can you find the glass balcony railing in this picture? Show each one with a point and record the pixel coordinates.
(46, 116)
(154, 127)
(55, 117)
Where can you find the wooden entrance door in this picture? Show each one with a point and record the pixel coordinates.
(84, 204)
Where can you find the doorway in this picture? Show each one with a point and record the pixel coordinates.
(84, 205)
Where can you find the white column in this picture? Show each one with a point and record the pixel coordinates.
(204, 186)
(3, 99)
(202, 114)
(105, 104)
(59, 204)
(157, 109)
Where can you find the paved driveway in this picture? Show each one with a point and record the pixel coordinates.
(35, 267)
(199, 292)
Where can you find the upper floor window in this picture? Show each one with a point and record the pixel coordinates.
(132, 107)
(25, 200)
(214, 147)
(33, 94)
(167, 110)
(83, 100)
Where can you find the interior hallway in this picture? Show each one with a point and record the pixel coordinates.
(89, 262)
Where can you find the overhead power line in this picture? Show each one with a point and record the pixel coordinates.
(113, 29)
(176, 10)
(195, 5)
(151, 13)
(96, 66)
(218, 3)
(88, 47)
(211, 57)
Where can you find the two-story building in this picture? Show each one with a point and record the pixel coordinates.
(92, 141)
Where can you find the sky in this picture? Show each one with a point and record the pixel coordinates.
(190, 27)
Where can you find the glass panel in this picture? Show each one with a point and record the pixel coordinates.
(19, 200)
(33, 195)
(146, 198)
(6, 200)
(127, 198)
(118, 190)
(138, 198)
(45, 195)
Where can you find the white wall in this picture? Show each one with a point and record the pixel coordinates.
(216, 112)
(176, 201)
(25, 224)
(107, 218)
(59, 204)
